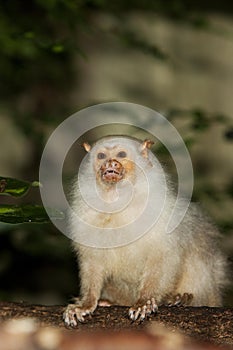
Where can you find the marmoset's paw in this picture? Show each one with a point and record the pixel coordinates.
(74, 314)
(177, 299)
(141, 309)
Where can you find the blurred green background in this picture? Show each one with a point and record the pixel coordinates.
(59, 56)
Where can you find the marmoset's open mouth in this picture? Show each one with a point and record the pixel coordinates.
(111, 171)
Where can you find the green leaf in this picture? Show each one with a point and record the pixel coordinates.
(18, 214)
(58, 48)
(14, 187)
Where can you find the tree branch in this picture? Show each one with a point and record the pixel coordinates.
(207, 324)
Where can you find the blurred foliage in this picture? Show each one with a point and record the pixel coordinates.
(40, 51)
(36, 40)
(14, 187)
(39, 38)
(134, 41)
(17, 214)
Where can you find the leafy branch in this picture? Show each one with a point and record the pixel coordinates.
(24, 213)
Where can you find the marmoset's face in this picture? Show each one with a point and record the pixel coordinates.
(113, 158)
(112, 163)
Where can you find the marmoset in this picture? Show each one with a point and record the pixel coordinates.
(184, 267)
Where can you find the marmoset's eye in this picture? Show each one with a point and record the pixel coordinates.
(122, 154)
(101, 155)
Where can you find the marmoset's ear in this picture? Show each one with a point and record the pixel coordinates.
(86, 146)
(145, 146)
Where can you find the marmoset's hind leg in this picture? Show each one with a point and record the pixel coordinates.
(202, 279)
(177, 299)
